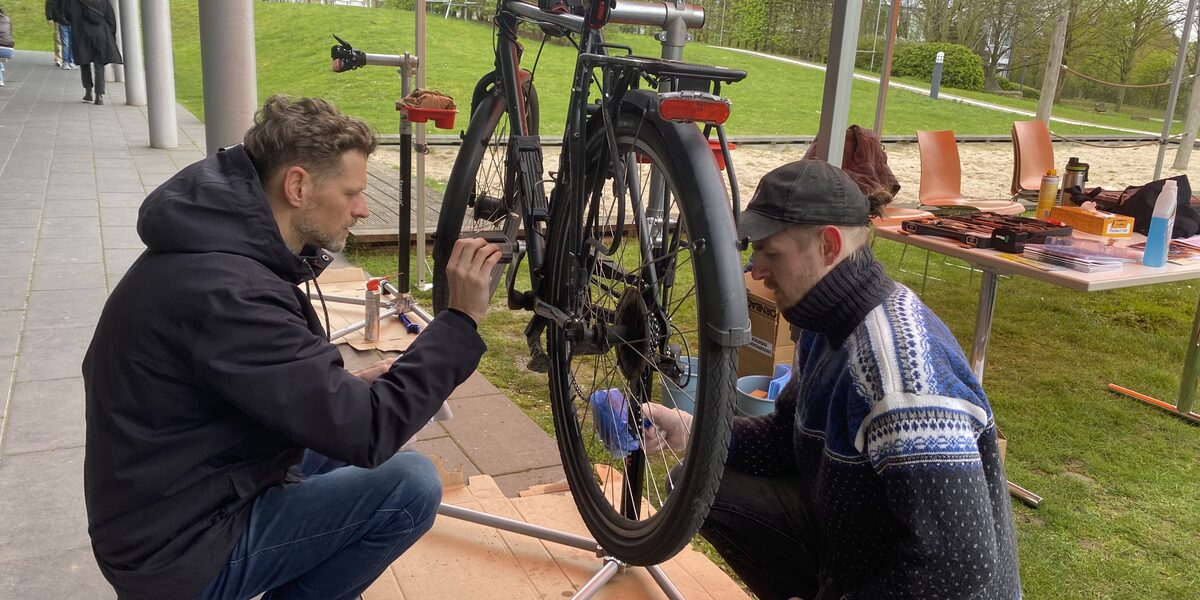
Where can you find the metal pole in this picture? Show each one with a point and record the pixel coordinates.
(983, 323)
(227, 65)
(1183, 154)
(875, 35)
(721, 35)
(839, 73)
(404, 235)
(1180, 60)
(1187, 382)
(420, 7)
(131, 51)
(160, 73)
(118, 70)
(885, 73)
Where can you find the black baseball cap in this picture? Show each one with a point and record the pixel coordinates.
(805, 192)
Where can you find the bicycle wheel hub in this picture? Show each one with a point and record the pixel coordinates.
(637, 334)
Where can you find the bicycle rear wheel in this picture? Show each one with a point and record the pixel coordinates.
(481, 192)
(643, 289)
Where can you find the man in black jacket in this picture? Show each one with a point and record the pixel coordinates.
(210, 374)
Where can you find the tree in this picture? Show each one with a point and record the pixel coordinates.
(1129, 26)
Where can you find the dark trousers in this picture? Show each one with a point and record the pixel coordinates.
(86, 73)
(762, 528)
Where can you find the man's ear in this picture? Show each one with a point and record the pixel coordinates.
(832, 243)
(296, 182)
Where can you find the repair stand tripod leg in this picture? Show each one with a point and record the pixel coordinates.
(609, 570)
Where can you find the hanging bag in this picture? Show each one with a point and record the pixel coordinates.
(6, 36)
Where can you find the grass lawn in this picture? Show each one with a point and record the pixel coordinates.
(1121, 480)
(293, 40)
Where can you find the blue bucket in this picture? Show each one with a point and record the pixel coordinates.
(749, 405)
(683, 398)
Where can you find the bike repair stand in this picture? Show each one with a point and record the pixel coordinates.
(346, 58)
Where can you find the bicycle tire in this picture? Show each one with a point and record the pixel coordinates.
(691, 175)
(480, 170)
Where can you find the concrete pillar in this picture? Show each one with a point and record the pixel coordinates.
(118, 71)
(160, 73)
(839, 74)
(131, 51)
(227, 60)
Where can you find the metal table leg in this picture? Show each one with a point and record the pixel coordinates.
(979, 345)
(1187, 383)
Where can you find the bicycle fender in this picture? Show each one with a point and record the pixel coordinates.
(711, 218)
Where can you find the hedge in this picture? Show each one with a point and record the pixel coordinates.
(1008, 85)
(961, 69)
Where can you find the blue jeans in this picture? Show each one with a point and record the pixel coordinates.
(64, 32)
(5, 53)
(331, 535)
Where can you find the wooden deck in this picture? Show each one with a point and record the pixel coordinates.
(383, 199)
(458, 559)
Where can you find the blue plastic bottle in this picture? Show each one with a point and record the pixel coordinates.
(1161, 224)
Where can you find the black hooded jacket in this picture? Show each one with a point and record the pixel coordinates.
(208, 375)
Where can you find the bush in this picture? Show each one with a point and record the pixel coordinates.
(1008, 86)
(962, 68)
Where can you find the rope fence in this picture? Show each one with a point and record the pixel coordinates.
(1155, 142)
(1120, 85)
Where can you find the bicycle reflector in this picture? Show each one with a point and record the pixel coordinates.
(693, 106)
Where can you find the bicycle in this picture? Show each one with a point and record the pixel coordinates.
(632, 258)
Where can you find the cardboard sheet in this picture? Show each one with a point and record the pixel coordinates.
(352, 283)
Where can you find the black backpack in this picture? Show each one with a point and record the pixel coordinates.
(1138, 202)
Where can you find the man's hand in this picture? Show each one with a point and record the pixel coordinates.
(670, 428)
(377, 368)
(469, 273)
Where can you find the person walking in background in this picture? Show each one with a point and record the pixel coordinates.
(6, 42)
(60, 12)
(50, 7)
(94, 25)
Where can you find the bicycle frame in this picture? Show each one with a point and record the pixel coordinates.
(675, 18)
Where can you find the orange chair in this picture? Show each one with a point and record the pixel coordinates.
(895, 215)
(941, 176)
(1033, 154)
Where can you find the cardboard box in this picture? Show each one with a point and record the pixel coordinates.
(770, 335)
(1097, 223)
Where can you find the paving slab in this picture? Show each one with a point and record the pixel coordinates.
(58, 575)
(42, 515)
(71, 227)
(452, 457)
(68, 251)
(498, 437)
(55, 309)
(55, 354)
(70, 208)
(45, 415)
(121, 237)
(13, 292)
(513, 483)
(67, 276)
(10, 331)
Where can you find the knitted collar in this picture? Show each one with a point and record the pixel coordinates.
(840, 301)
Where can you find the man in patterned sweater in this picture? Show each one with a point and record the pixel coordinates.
(878, 474)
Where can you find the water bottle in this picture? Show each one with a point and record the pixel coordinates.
(1048, 194)
(1161, 224)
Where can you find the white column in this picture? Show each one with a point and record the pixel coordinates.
(227, 60)
(160, 73)
(131, 51)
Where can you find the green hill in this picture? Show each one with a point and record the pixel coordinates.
(293, 40)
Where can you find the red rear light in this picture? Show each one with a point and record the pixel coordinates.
(690, 107)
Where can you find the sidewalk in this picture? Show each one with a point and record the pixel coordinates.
(72, 176)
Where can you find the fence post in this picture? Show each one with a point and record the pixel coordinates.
(1053, 68)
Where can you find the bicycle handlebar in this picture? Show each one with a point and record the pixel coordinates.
(626, 12)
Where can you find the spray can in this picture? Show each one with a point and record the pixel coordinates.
(1161, 225)
(371, 331)
(1048, 194)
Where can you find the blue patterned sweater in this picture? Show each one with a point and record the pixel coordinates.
(893, 439)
